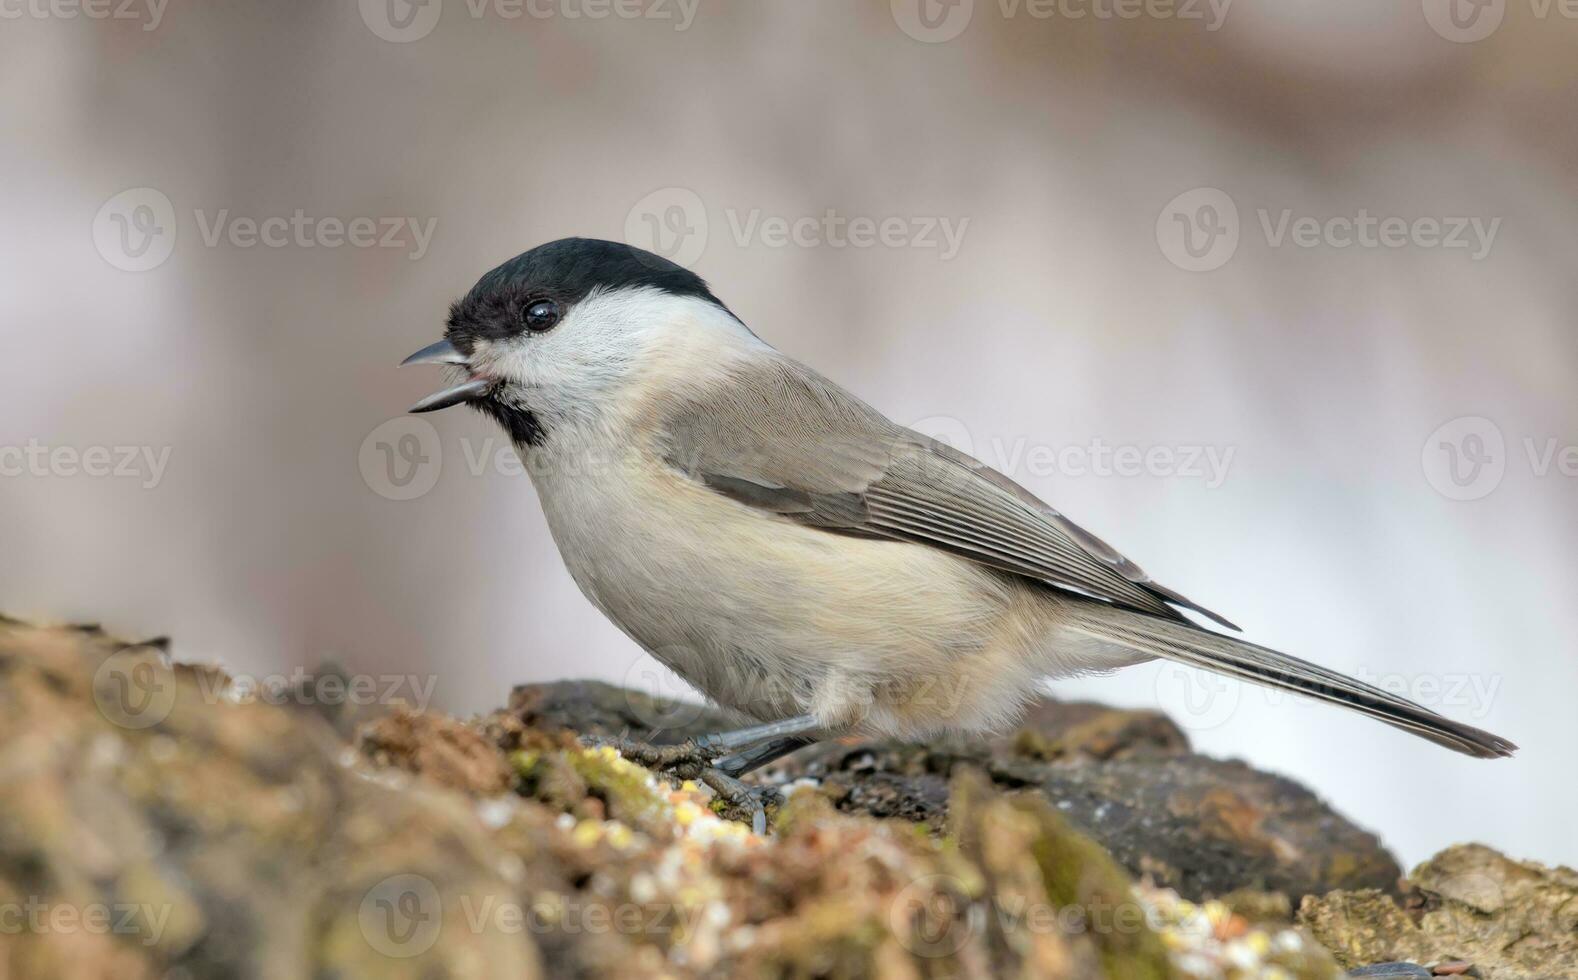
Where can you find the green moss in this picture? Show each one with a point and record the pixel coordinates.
(1078, 872)
(526, 763)
(1074, 871)
(629, 791)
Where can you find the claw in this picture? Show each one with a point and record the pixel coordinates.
(732, 791)
(694, 759)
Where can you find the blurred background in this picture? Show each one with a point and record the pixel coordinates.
(1277, 297)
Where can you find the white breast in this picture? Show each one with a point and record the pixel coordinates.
(776, 619)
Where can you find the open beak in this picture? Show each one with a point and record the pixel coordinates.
(444, 352)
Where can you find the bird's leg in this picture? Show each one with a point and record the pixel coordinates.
(751, 759)
(743, 738)
(718, 759)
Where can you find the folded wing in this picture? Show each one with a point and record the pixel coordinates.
(784, 439)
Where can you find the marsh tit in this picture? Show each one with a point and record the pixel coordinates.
(788, 550)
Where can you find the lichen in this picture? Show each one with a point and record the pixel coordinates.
(630, 793)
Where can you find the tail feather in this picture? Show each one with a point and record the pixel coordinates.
(1187, 644)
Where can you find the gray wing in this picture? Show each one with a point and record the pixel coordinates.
(782, 438)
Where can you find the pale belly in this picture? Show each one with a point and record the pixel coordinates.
(775, 619)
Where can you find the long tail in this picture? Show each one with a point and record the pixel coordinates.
(1196, 647)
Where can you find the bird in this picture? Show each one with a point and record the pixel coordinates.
(789, 551)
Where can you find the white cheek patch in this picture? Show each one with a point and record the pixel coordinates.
(610, 337)
(611, 350)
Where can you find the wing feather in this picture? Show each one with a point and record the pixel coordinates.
(781, 438)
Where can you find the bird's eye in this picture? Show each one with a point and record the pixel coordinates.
(540, 314)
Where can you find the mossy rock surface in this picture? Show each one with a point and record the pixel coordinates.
(1128, 779)
(1468, 906)
(237, 837)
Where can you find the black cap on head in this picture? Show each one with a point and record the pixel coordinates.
(566, 271)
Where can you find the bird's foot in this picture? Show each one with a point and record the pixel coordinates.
(720, 759)
(739, 799)
(709, 760)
